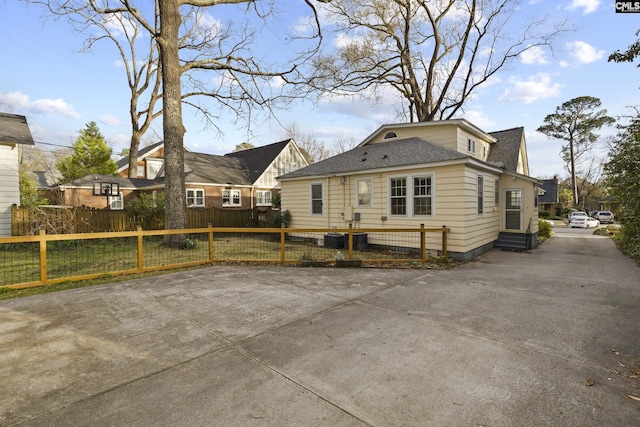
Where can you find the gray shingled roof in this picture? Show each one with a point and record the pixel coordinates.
(507, 149)
(210, 168)
(550, 187)
(403, 152)
(14, 129)
(256, 160)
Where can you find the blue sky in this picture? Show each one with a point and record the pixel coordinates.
(44, 77)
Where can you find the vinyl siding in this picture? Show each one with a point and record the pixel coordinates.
(9, 186)
(454, 205)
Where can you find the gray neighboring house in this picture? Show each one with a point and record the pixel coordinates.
(14, 132)
(548, 195)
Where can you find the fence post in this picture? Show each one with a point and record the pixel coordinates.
(423, 243)
(350, 233)
(210, 242)
(140, 245)
(444, 240)
(282, 243)
(43, 257)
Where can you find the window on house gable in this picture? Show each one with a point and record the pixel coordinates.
(480, 194)
(140, 171)
(422, 197)
(364, 187)
(195, 197)
(471, 145)
(398, 195)
(316, 199)
(116, 203)
(263, 198)
(231, 198)
(390, 135)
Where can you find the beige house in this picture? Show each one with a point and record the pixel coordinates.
(14, 133)
(434, 173)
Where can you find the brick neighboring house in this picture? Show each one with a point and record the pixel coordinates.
(239, 180)
(548, 195)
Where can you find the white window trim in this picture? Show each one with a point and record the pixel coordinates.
(471, 145)
(496, 192)
(196, 197)
(116, 203)
(321, 184)
(410, 196)
(520, 210)
(480, 195)
(230, 204)
(260, 199)
(370, 204)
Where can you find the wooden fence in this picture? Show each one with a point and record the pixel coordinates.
(70, 220)
(44, 259)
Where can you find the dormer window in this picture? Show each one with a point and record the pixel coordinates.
(390, 135)
(471, 145)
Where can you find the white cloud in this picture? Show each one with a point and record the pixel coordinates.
(109, 120)
(18, 101)
(583, 52)
(478, 118)
(538, 86)
(587, 6)
(534, 55)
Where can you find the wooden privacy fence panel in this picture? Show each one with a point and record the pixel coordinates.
(27, 221)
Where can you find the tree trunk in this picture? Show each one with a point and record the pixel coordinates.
(134, 147)
(574, 183)
(173, 129)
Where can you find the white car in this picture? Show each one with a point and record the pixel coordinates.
(580, 221)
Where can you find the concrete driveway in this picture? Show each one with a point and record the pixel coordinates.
(548, 337)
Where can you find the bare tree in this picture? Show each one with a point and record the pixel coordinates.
(138, 52)
(433, 55)
(188, 47)
(345, 143)
(312, 148)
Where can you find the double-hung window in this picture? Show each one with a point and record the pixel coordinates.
(231, 198)
(411, 196)
(263, 198)
(398, 193)
(422, 195)
(316, 199)
(195, 197)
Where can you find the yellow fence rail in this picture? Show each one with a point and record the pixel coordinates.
(43, 259)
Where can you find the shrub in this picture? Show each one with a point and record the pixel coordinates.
(148, 210)
(544, 229)
(544, 214)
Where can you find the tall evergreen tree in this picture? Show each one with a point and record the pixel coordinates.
(576, 121)
(90, 155)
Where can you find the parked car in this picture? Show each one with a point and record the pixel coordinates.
(580, 221)
(573, 214)
(604, 216)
